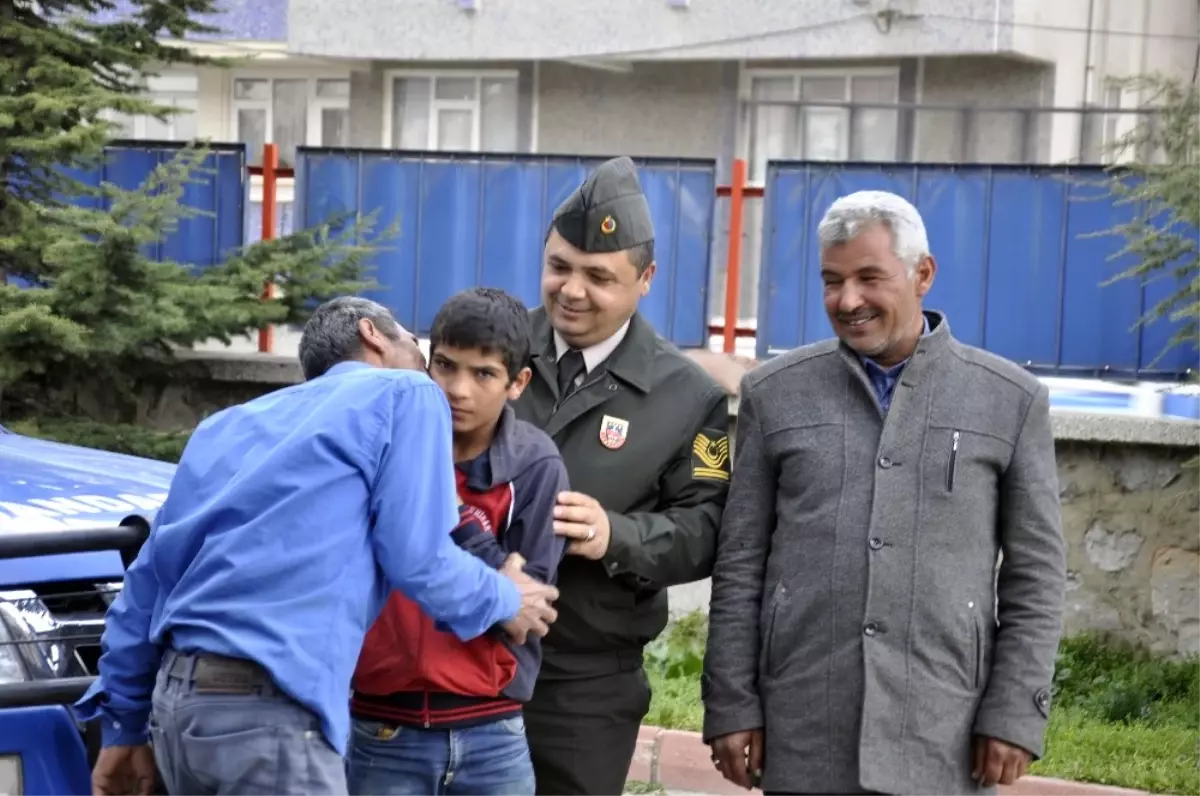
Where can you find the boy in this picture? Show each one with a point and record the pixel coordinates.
(434, 715)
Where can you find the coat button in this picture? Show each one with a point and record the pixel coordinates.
(885, 462)
(875, 543)
(870, 628)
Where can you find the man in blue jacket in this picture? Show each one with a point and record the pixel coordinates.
(288, 521)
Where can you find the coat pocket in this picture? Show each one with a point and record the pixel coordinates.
(952, 464)
(978, 648)
(769, 626)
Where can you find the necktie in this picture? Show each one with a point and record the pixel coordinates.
(570, 367)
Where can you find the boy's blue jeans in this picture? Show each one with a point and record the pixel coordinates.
(485, 760)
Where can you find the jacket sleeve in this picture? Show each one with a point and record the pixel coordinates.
(729, 682)
(414, 502)
(121, 695)
(475, 539)
(531, 529)
(1030, 590)
(676, 544)
(533, 524)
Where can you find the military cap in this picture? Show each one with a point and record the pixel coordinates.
(608, 212)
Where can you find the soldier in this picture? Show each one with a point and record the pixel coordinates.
(643, 432)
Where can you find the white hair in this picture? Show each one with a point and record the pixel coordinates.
(849, 215)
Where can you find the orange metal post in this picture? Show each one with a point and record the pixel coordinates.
(266, 335)
(733, 263)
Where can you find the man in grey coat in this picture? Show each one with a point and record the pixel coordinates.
(861, 637)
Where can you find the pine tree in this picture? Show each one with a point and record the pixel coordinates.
(1155, 173)
(95, 313)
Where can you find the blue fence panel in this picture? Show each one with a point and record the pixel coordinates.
(1020, 270)
(470, 219)
(217, 189)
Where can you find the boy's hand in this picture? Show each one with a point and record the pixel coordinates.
(537, 613)
(584, 523)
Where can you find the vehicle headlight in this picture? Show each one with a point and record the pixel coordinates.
(10, 776)
(14, 635)
(12, 670)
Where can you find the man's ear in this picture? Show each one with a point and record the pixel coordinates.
(519, 383)
(926, 270)
(372, 339)
(645, 279)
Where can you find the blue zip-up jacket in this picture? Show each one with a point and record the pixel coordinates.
(288, 521)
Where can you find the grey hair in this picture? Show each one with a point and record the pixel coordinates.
(331, 334)
(847, 217)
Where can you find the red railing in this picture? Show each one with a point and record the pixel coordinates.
(270, 173)
(737, 191)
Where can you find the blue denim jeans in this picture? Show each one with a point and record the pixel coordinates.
(262, 742)
(486, 760)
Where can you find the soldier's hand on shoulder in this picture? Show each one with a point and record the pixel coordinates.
(584, 523)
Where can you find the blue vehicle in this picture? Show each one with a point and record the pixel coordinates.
(71, 519)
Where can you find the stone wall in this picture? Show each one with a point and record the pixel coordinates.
(1130, 517)
(1129, 507)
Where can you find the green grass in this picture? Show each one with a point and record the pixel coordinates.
(1121, 717)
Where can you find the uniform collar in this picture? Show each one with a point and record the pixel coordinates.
(593, 355)
(632, 357)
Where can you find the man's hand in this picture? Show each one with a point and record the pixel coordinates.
(536, 613)
(998, 762)
(124, 770)
(739, 757)
(584, 523)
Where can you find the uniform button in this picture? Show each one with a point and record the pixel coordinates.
(876, 543)
(870, 628)
(885, 462)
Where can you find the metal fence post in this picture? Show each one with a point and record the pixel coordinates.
(266, 335)
(733, 267)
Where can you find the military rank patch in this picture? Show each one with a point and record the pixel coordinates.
(710, 456)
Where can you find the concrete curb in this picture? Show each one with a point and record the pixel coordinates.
(679, 760)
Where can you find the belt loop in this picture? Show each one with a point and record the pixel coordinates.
(179, 665)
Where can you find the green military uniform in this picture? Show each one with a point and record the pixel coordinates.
(645, 434)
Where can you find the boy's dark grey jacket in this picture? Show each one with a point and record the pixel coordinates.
(857, 614)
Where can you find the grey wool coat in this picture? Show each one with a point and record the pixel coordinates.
(858, 615)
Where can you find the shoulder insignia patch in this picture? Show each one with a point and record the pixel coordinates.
(710, 457)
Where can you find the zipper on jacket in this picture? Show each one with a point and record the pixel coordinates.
(953, 461)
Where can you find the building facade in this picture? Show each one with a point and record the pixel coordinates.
(995, 81)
